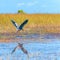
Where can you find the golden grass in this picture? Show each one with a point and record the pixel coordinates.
(43, 23)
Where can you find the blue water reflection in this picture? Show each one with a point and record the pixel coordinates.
(43, 49)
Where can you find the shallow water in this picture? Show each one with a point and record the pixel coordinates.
(37, 50)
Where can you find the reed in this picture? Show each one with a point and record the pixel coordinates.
(44, 23)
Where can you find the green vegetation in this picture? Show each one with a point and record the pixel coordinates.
(21, 12)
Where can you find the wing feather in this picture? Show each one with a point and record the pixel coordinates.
(13, 50)
(14, 23)
(22, 25)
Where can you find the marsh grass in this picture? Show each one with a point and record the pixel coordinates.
(43, 23)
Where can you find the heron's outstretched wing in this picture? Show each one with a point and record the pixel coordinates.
(14, 23)
(13, 50)
(22, 25)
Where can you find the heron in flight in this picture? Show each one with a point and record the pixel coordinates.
(21, 26)
(21, 47)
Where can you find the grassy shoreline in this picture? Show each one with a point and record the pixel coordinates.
(43, 23)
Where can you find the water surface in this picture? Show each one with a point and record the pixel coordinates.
(37, 50)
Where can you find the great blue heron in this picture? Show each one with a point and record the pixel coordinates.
(21, 47)
(21, 26)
